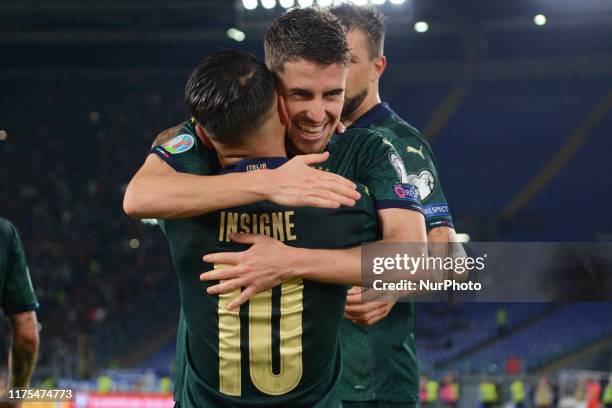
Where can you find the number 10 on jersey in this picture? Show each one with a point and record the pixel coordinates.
(260, 341)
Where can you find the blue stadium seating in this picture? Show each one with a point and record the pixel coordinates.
(452, 332)
(569, 329)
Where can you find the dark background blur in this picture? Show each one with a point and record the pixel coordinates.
(518, 115)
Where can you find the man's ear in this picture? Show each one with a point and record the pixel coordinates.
(203, 137)
(282, 110)
(380, 64)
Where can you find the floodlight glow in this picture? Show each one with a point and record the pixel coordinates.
(305, 3)
(236, 34)
(540, 19)
(339, 2)
(325, 3)
(421, 27)
(360, 2)
(286, 3)
(249, 4)
(397, 1)
(268, 4)
(463, 237)
(377, 2)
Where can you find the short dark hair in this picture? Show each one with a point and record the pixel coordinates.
(311, 33)
(367, 19)
(229, 92)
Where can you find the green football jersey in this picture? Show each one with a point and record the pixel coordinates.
(179, 362)
(16, 291)
(418, 160)
(282, 348)
(380, 361)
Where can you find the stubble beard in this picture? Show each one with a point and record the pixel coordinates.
(352, 104)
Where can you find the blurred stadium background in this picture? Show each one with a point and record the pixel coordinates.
(514, 95)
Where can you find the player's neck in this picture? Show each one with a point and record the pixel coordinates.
(268, 142)
(372, 99)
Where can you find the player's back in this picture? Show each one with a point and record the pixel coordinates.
(282, 348)
(360, 155)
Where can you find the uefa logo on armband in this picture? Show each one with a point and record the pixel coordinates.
(406, 191)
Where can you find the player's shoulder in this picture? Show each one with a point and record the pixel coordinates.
(358, 144)
(177, 139)
(185, 151)
(186, 127)
(6, 227)
(360, 137)
(399, 130)
(8, 234)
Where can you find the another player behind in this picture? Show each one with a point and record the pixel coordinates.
(19, 303)
(379, 354)
(281, 349)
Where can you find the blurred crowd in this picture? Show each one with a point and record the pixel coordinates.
(70, 147)
(517, 392)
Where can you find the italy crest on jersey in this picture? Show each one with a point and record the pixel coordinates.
(179, 144)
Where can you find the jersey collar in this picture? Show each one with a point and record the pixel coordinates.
(254, 163)
(377, 112)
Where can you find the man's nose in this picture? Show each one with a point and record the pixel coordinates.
(316, 112)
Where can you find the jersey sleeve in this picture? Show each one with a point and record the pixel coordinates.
(421, 172)
(178, 152)
(381, 170)
(18, 294)
(186, 154)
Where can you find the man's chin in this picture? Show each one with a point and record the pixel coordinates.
(304, 146)
(297, 143)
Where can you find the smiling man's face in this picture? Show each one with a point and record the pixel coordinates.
(313, 96)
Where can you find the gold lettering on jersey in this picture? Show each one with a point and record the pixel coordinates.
(229, 344)
(244, 223)
(260, 339)
(289, 225)
(278, 225)
(221, 225)
(232, 225)
(264, 224)
(254, 224)
(253, 167)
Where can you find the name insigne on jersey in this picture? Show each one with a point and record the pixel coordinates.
(278, 225)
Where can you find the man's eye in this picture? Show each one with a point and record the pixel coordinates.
(300, 95)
